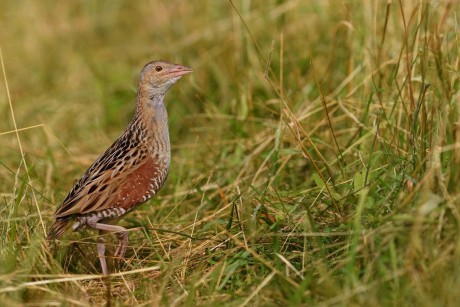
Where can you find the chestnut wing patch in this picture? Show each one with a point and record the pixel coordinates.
(140, 185)
(126, 190)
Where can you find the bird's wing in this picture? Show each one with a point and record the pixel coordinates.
(99, 187)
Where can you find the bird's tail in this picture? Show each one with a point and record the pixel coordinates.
(58, 229)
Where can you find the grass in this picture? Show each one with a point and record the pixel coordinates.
(315, 151)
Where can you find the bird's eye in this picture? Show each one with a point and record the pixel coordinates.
(158, 68)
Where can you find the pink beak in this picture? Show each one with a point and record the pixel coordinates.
(179, 70)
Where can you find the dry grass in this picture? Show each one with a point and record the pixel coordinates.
(315, 153)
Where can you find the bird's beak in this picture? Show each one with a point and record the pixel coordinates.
(179, 70)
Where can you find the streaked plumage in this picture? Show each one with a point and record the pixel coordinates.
(130, 171)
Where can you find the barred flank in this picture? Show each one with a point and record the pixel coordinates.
(58, 229)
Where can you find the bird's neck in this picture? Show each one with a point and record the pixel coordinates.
(152, 115)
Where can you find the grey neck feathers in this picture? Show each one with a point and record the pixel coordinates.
(153, 116)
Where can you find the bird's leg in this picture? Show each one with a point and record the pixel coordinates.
(101, 253)
(121, 233)
(122, 244)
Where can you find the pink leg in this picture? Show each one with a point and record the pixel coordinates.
(122, 245)
(101, 254)
(121, 233)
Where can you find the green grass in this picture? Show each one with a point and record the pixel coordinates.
(316, 154)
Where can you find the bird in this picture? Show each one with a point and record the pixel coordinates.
(130, 172)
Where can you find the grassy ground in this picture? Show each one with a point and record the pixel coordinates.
(316, 153)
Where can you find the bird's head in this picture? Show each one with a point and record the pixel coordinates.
(158, 76)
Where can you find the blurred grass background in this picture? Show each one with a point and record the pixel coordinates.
(315, 150)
